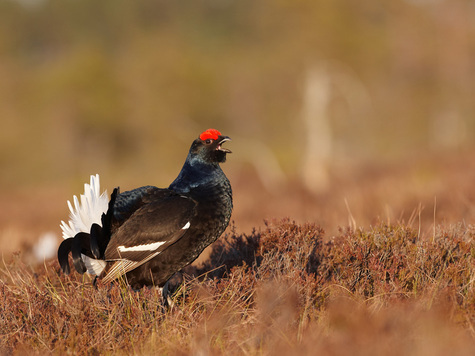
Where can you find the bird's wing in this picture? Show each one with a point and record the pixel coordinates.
(128, 202)
(150, 230)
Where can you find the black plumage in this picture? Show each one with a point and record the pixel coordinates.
(149, 233)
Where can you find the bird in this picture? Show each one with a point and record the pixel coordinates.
(147, 234)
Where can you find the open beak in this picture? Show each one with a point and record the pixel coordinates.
(223, 139)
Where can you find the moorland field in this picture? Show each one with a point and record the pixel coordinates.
(353, 170)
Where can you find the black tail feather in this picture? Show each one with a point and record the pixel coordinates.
(100, 236)
(108, 218)
(81, 245)
(63, 253)
(96, 241)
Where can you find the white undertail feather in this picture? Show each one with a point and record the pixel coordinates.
(87, 210)
(94, 267)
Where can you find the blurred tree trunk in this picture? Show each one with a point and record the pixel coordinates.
(319, 140)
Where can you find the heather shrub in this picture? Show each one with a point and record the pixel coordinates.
(285, 289)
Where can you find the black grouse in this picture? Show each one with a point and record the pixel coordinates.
(149, 233)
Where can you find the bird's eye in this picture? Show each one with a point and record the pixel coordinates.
(208, 141)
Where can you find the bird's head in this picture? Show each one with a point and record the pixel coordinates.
(208, 147)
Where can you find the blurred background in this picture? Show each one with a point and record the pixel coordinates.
(341, 112)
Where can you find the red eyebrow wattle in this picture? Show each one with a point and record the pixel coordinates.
(210, 133)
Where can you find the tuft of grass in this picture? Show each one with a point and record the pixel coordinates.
(285, 289)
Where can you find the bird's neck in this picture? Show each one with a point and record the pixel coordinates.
(196, 173)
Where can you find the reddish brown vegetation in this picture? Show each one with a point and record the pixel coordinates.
(383, 290)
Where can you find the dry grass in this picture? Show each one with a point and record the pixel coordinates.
(381, 290)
